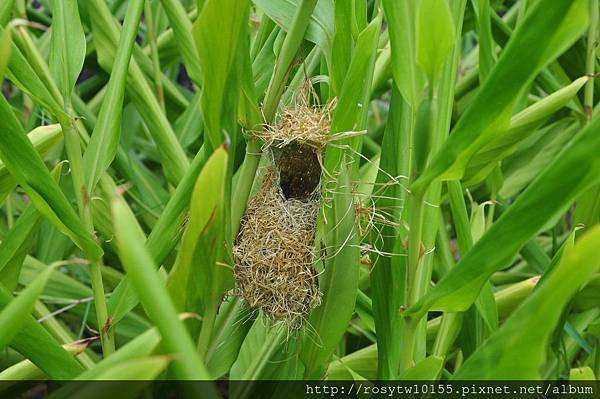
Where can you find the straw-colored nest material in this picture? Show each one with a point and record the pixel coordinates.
(273, 254)
(302, 124)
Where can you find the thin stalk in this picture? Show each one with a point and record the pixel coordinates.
(460, 216)
(441, 93)
(73, 146)
(442, 245)
(9, 212)
(290, 46)
(592, 43)
(82, 195)
(151, 27)
(409, 332)
(451, 321)
(449, 329)
(414, 244)
(208, 323)
(243, 183)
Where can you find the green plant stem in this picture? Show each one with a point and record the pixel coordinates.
(290, 46)
(451, 321)
(584, 212)
(82, 195)
(208, 323)
(9, 212)
(73, 146)
(449, 329)
(150, 25)
(414, 243)
(590, 64)
(243, 184)
(414, 256)
(460, 216)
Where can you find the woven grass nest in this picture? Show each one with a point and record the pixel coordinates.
(274, 250)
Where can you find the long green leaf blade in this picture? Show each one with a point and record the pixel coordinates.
(153, 294)
(534, 43)
(25, 164)
(104, 142)
(16, 312)
(67, 45)
(518, 350)
(575, 169)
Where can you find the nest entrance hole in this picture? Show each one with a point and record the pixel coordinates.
(299, 170)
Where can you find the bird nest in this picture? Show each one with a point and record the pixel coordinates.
(274, 251)
(303, 124)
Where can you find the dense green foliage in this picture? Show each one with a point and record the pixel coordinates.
(464, 167)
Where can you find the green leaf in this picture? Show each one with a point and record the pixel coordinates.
(26, 166)
(362, 361)
(14, 315)
(401, 16)
(261, 353)
(217, 49)
(339, 282)
(5, 49)
(163, 238)
(153, 294)
(67, 45)
(487, 46)
(44, 139)
(181, 25)
(23, 75)
(286, 54)
(388, 276)
(351, 110)
(518, 350)
(105, 31)
(230, 330)
(535, 42)
(196, 281)
(25, 370)
(55, 361)
(137, 372)
(427, 369)
(5, 11)
(534, 155)
(576, 168)
(104, 141)
(582, 374)
(16, 245)
(522, 125)
(343, 44)
(140, 347)
(321, 28)
(435, 35)
(18, 242)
